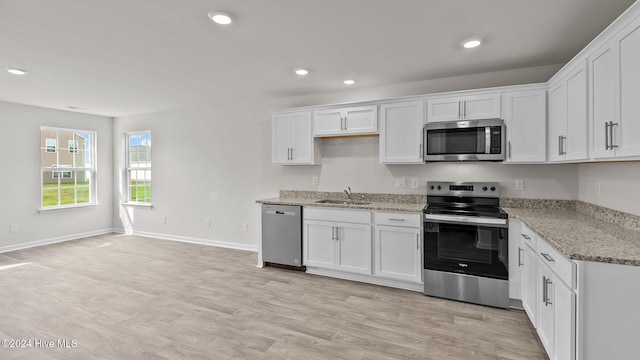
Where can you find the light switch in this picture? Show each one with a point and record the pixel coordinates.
(415, 183)
(519, 184)
(401, 182)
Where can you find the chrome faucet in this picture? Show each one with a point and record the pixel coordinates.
(348, 192)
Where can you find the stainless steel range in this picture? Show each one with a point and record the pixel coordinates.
(466, 254)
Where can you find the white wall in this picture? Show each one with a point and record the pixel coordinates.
(619, 184)
(213, 161)
(20, 181)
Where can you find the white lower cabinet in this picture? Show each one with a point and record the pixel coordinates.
(337, 245)
(398, 253)
(548, 290)
(346, 243)
(557, 309)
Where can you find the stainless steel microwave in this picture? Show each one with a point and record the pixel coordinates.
(468, 140)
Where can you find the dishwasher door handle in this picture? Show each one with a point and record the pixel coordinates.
(278, 212)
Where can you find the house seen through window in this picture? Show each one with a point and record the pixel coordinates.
(67, 173)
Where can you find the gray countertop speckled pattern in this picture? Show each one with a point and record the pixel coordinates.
(580, 233)
(377, 202)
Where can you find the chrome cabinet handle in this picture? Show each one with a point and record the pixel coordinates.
(520, 257)
(547, 257)
(606, 136)
(509, 149)
(561, 145)
(464, 109)
(526, 236)
(417, 241)
(291, 154)
(544, 289)
(346, 126)
(420, 155)
(459, 109)
(547, 282)
(390, 219)
(611, 125)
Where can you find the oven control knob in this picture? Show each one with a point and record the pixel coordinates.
(432, 187)
(439, 187)
(484, 188)
(493, 188)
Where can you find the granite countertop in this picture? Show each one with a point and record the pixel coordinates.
(377, 202)
(580, 232)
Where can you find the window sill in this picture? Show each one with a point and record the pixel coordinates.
(66, 208)
(140, 205)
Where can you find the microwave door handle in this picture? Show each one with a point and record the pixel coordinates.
(487, 140)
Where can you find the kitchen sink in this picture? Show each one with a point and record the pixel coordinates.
(342, 202)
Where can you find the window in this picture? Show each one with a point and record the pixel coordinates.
(75, 184)
(139, 167)
(73, 146)
(51, 145)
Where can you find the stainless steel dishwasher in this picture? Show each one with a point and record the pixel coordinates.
(282, 235)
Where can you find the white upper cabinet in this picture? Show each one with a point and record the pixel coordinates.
(484, 106)
(401, 140)
(567, 139)
(602, 100)
(628, 132)
(525, 115)
(346, 121)
(615, 90)
(292, 142)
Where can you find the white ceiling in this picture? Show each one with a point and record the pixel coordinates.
(123, 57)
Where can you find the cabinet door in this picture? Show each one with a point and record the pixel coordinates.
(397, 253)
(446, 109)
(302, 151)
(557, 121)
(565, 322)
(328, 122)
(481, 107)
(603, 98)
(629, 129)
(319, 243)
(515, 260)
(280, 138)
(529, 283)
(576, 142)
(361, 120)
(401, 132)
(354, 248)
(525, 119)
(546, 311)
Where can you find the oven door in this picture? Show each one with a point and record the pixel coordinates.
(467, 245)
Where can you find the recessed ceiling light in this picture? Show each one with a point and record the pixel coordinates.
(220, 17)
(15, 71)
(302, 72)
(349, 82)
(471, 44)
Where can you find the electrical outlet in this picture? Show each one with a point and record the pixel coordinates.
(163, 219)
(314, 180)
(14, 228)
(245, 227)
(519, 184)
(415, 183)
(401, 182)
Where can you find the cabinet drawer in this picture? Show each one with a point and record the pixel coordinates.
(340, 215)
(528, 236)
(563, 267)
(397, 219)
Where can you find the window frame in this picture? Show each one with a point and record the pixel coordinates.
(129, 169)
(59, 172)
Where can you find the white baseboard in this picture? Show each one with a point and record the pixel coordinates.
(55, 240)
(192, 240)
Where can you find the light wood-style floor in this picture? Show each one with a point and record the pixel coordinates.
(126, 297)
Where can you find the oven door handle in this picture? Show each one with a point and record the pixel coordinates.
(466, 220)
